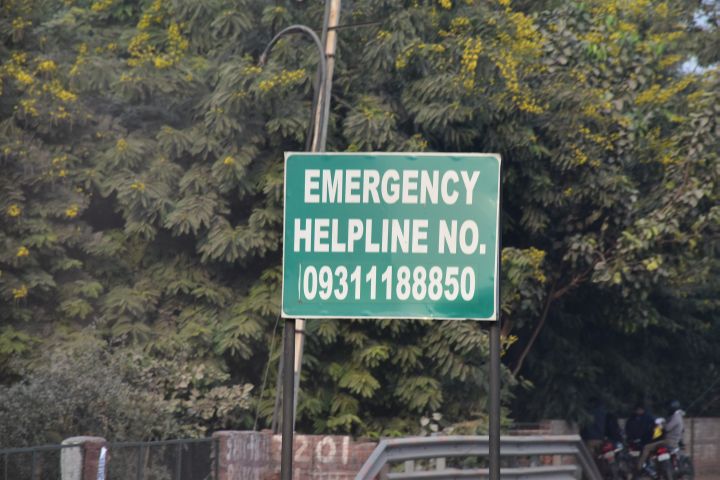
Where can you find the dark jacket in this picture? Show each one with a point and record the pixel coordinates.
(640, 427)
(595, 430)
(612, 428)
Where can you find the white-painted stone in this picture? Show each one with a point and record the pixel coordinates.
(71, 459)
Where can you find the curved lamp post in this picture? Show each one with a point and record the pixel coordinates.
(318, 142)
(317, 136)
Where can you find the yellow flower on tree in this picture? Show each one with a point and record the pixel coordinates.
(24, 78)
(177, 42)
(121, 145)
(101, 6)
(284, 78)
(161, 62)
(47, 66)
(251, 70)
(29, 106)
(80, 60)
(20, 24)
(61, 93)
(19, 293)
(14, 211)
(23, 252)
(72, 212)
(469, 61)
(229, 160)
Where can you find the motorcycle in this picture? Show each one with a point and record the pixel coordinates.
(682, 464)
(607, 460)
(662, 460)
(658, 466)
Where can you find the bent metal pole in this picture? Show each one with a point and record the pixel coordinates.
(288, 403)
(319, 140)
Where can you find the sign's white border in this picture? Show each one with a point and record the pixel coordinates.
(496, 156)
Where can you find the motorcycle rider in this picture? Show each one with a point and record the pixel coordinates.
(640, 425)
(668, 434)
(612, 428)
(593, 432)
(658, 440)
(675, 426)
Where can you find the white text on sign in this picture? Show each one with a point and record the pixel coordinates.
(409, 187)
(395, 236)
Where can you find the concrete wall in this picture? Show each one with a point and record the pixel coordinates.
(702, 440)
(256, 456)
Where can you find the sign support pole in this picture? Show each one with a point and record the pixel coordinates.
(288, 425)
(291, 363)
(494, 364)
(319, 139)
(495, 400)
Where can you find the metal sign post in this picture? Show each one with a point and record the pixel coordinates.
(494, 363)
(319, 140)
(288, 425)
(318, 130)
(494, 427)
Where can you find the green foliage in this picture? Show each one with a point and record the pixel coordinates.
(141, 196)
(81, 391)
(79, 387)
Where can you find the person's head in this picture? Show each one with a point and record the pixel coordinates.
(639, 409)
(673, 406)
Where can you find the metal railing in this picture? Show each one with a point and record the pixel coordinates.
(389, 453)
(32, 463)
(183, 459)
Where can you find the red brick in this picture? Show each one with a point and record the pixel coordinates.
(256, 456)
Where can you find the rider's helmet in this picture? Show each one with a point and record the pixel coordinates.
(674, 406)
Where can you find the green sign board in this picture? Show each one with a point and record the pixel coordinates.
(391, 235)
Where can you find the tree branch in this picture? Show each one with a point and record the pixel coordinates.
(550, 298)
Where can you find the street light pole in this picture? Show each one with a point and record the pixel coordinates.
(321, 113)
(294, 329)
(288, 357)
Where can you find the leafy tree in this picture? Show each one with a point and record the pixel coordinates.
(78, 387)
(141, 199)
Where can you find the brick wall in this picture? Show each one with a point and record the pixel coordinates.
(256, 456)
(702, 440)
